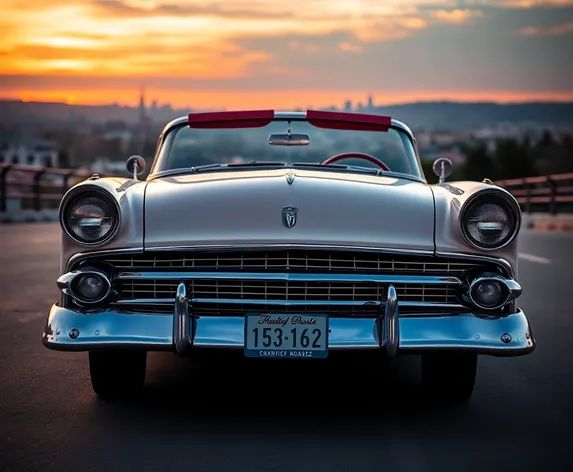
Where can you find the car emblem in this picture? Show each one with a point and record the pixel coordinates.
(289, 216)
(289, 178)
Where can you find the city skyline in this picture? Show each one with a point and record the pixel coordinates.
(248, 53)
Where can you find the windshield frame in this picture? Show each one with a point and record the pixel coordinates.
(164, 144)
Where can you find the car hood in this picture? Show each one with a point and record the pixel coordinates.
(246, 208)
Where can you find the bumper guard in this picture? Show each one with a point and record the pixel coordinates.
(84, 330)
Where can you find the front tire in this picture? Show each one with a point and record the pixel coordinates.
(449, 377)
(117, 374)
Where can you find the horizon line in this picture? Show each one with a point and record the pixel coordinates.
(533, 101)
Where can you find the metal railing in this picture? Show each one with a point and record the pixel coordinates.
(544, 194)
(37, 188)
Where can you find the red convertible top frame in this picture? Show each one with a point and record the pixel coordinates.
(318, 118)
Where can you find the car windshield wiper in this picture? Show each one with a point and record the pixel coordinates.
(318, 165)
(269, 164)
(219, 166)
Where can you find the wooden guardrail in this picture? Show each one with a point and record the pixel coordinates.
(543, 194)
(36, 188)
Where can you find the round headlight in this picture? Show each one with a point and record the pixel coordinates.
(90, 287)
(90, 217)
(490, 222)
(489, 293)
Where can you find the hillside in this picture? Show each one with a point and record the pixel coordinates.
(427, 115)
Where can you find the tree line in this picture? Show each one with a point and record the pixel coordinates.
(511, 158)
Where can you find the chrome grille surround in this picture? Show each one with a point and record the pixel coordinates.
(339, 282)
(292, 260)
(285, 291)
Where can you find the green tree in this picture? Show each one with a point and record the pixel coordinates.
(513, 160)
(63, 159)
(478, 164)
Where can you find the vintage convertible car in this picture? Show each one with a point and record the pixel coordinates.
(288, 235)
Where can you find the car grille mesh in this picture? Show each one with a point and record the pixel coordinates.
(286, 291)
(294, 261)
(283, 261)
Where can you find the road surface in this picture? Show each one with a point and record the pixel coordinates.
(249, 418)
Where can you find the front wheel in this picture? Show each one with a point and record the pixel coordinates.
(449, 377)
(117, 374)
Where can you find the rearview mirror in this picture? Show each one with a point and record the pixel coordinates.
(443, 168)
(289, 139)
(135, 165)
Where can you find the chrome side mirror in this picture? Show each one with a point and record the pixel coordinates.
(443, 168)
(136, 165)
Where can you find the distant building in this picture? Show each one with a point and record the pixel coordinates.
(106, 166)
(370, 102)
(21, 148)
(348, 105)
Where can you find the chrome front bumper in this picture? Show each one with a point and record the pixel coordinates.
(69, 330)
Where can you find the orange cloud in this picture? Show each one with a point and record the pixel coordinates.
(139, 37)
(457, 16)
(348, 47)
(557, 30)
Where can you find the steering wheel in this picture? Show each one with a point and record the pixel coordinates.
(360, 155)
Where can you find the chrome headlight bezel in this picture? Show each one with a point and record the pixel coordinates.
(497, 197)
(86, 192)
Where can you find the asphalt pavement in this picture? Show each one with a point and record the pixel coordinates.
(282, 416)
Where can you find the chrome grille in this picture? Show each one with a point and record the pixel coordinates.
(223, 309)
(212, 295)
(285, 291)
(293, 260)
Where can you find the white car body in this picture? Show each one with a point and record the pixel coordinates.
(379, 261)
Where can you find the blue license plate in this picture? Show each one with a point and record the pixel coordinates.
(286, 336)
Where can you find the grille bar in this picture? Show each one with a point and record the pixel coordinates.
(285, 291)
(293, 261)
(291, 277)
(203, 307)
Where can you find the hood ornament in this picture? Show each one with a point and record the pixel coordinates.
(290, 178)
(289, 216)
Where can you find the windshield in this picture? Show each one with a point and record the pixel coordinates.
(186, 147)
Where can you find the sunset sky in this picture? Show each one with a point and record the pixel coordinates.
(280, 53)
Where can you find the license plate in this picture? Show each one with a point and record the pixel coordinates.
(286, 336)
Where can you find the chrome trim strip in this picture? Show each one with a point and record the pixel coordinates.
(247, 301)
(258, 247)
(290, 115)
(78, 257)
(293, 277)
(182, 323)
(280, 246)
(391, 324)
(479, 257)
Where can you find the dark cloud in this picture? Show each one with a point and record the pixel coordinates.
(488, 54)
